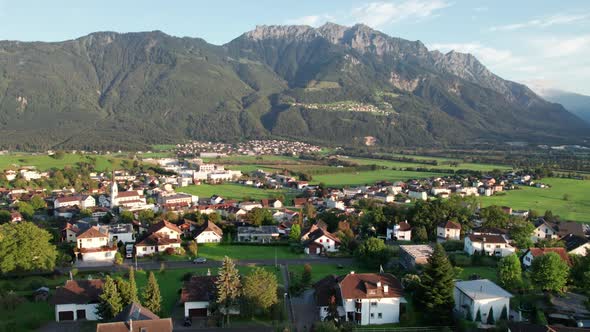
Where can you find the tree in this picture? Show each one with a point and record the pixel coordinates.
(26, 210)
(580, 271)
(132, 286)
(125, 291)
(373, 252)
(478, 315)
(549, 272)
(118, 258)
(436, 291)
(520, 232)
(494, 216)
(306, 275)
(127, 217)
(419, 234)
(109, 304)
(37, 202)
(192, 248)
(504, 314)
(260, 289)
(325, 327)
(510, 272)
(491, 319)
(152, 299)
(228, 285)
(5, 216)
(333, 314)
(258, 217)
(309, 211)
(295, 232)
(25, 247)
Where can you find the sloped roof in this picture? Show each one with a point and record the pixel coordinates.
(78, 292)
(161, 224)
(404, 226)
(573, 241)
(199, 289)
(481, 289)
(318, 233)
(536, 252)
(487, 238)
(209, 226)
(92, 232)
(156, 239)
(364, 285)
(135, 311)
(451, 225)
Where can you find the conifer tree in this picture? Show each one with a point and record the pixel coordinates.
(436, 291)
(109, 304)
(152, 299)
(124, 289)
(491, 319)
(228, 285)
(133, 286)
(478, 315)
(504, 314)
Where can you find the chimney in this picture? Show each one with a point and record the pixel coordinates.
(351, 272)
(385, 288)
(130, 325)
(378, 283)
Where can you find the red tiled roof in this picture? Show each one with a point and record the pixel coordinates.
(560, 251)
(364, 285)
(404, 226)
(199, 289)
(156, 239)
(488, 238)
(92, 232)
(78, 291)
(129, 193)
(452, 225)
(164, 223)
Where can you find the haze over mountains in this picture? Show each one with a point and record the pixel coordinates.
(331, 84)
(574, 102)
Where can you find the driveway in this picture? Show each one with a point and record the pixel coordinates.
(305, 311)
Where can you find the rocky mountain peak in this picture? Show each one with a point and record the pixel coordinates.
(281, 31)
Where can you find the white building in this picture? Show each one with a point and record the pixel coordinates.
(529, 256)
(449, 231)
(363, 298)
(77, 300)
(420, 195)
(492, 245)
(209, 233)
(318, 240)
(543, 230)
(333, 203)
(93, 245)
(483, 296)
(160, 237)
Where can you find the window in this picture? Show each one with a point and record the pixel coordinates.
(379, 315)
(144, 249)
(373, 304)
(372, 315)
(498, 246)
(321, 240)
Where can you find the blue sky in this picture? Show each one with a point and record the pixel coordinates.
(543, 43)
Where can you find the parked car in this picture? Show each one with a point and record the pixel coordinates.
(200, 260)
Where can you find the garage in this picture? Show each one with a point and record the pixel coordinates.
(200, 312)
(66, 315)
(81, 314)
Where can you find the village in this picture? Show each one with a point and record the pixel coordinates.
(127, 219)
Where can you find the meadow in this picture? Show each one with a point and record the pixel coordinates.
(234, 191)
(369, 177)
(441, 165)
(570, 199)
(45, 162)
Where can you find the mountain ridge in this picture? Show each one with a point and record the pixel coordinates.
(136, 89)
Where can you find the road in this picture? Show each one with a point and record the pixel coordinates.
(155, 265)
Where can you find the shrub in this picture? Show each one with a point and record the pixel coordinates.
(453, 245)
(118, 258)
(180, 251)
(170, 251)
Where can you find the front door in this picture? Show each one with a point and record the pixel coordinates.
(81, 314)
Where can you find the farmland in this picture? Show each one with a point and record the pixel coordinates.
(233, 191)
(45, 162)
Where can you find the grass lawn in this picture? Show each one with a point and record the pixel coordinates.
(233, 191)
(576, 208)
(218, 251)
(28, 316)
(484, 272)
(44, 162)
(320, 271)
(369, 177)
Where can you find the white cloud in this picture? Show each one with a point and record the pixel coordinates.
(557, 47)
(489, 56)
(311, 20)
(376, 14)
(557, 19)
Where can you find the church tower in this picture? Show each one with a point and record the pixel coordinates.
(114, 192)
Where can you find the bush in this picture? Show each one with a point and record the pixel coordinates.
(187, 276)
(118, 258)
(453, 245)
(170, 251)
(180, 251)
(460, 260)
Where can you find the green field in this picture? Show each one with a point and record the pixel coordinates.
(232, 191)
(320, 271)
(484, 272)
(400, 164)
(218, 251)
(576, 208)
(44, 162)
(369, 177)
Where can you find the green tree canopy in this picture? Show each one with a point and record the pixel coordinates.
(25, 247)
(228, 284)
(26, 210)
(295, 232)
(260, 288)
(549, 272)
(109, 304)
(259, 216)
(510, 272)
(373, 252)
(152, 299)
(436, 289)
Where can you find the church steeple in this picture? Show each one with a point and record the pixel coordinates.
(114, 191)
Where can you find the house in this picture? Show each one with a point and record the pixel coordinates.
(300, 202)
(93, 245)
(209, 233)
(77, 299)
(418, 194)
(532, 253)
(69, 233)
(384, 197)
(449, 231)
(159, 237)
(493, 245)
(135, 318)
(483, 296)
(576, 245)
(197, 294)
(335, 203)
(363, 298)
(400, 232)
(317, 240)
(261, 234)
(120, 233)
(272, 203)
(249, 206)
(16, 217)
(412, 255)
(543, 230)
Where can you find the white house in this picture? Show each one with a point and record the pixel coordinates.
(544, 230)
(363, 298)
(78, 299)
(449, 231)
(418, 194)
(334, 203)
(493, 245)
(93, 245)
(318, 240)
(532, 253)
(483, 296)
(119, 232)
(384, 197)
(249, 206)
(576, 244)
(400, 232)
(209, 233)
(159, 237)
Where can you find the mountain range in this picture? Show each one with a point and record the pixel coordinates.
(332, 84)
(576, 103)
